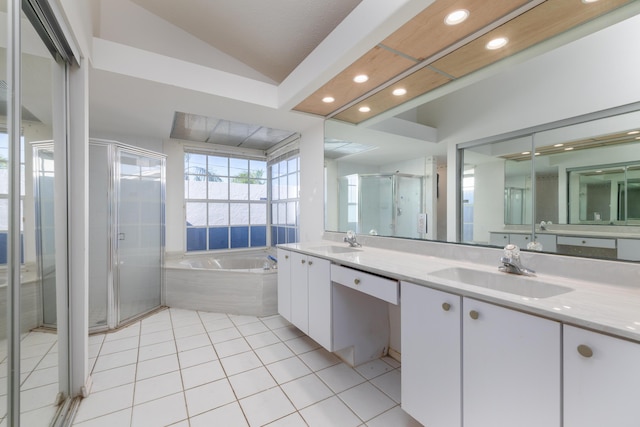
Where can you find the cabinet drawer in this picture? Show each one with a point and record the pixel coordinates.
(591, 242)
(379, 287)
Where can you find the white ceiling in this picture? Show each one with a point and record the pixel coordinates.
(197, 41)
(271, 36)
(262, 41)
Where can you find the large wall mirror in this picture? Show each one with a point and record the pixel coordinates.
(569, 189)
(561, 176)
(382, 183)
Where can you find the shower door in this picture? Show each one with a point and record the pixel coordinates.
(45, 231)
(376, 204)
(139, 232)
(409, 202)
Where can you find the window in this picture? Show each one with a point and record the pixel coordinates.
(4, 196)
(285, 198)
(225, 202)
(468, 193)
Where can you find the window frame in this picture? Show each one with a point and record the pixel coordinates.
(256, 232)
(287, 230)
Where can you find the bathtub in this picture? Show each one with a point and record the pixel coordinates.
(234, 283)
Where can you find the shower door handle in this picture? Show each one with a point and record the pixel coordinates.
(121, 236)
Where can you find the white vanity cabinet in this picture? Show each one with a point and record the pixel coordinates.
(511, 367)
(601, 377)
(467, 362)
(308, 272)
(548, 241)
(498, 239)
(431, 354)
(629, 249)
(284, 283)
(520, 239)
(320, 317)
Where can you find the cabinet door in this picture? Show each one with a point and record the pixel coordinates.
(601, 377)
(320, 301)
(284, 283)
(629, 249)
(548, 242)
(498, 239)
(431, 338)
(511, 368)
(520, 240)
(299, 292)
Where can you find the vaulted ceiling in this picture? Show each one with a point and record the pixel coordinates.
(272, 41)
(272, 36)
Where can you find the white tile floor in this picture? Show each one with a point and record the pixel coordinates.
(189, 368)
(38, 378)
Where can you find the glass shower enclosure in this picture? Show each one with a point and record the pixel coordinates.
(126, 225)
(126, 229)
(385, 204)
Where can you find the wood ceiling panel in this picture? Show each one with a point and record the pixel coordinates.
(540, 23)
(380, 64)
(427, 34)
(416, 84)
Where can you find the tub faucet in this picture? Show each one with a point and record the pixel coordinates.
(511, 262)
(350, 238)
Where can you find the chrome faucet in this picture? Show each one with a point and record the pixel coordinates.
(511, 262)
(350, 238)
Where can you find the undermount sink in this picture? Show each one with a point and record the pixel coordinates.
(503, 282)
(335, 249)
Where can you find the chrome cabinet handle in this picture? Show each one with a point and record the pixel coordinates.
(303, 261)
(585, 351)
(310, 262)
(356, 281)
(474, 314)
(446, 306)
(286, 257)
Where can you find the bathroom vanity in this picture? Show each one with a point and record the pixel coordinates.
(622, 245)
(479, 347)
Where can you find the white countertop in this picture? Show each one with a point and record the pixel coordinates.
(606, 308)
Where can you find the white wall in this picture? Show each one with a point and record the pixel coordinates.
(488, 207)
(591, 74)
(312, 183)
(174, 202)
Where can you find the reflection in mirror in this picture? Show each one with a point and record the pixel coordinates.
(381, 204)
(584, 197)
(382, 183)
(605, 194)
(497, 192)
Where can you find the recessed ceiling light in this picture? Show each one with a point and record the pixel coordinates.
(361, 78)
(497, 43)
(568, 149)
(456, 17)
(633, 132)
(328, 99)
(524, 153)
(400, 91)
(589, 1)
(364, 109)
(558, 145)
(537, 154)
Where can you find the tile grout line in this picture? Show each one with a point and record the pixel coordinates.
(175, 343)
(135, 374)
